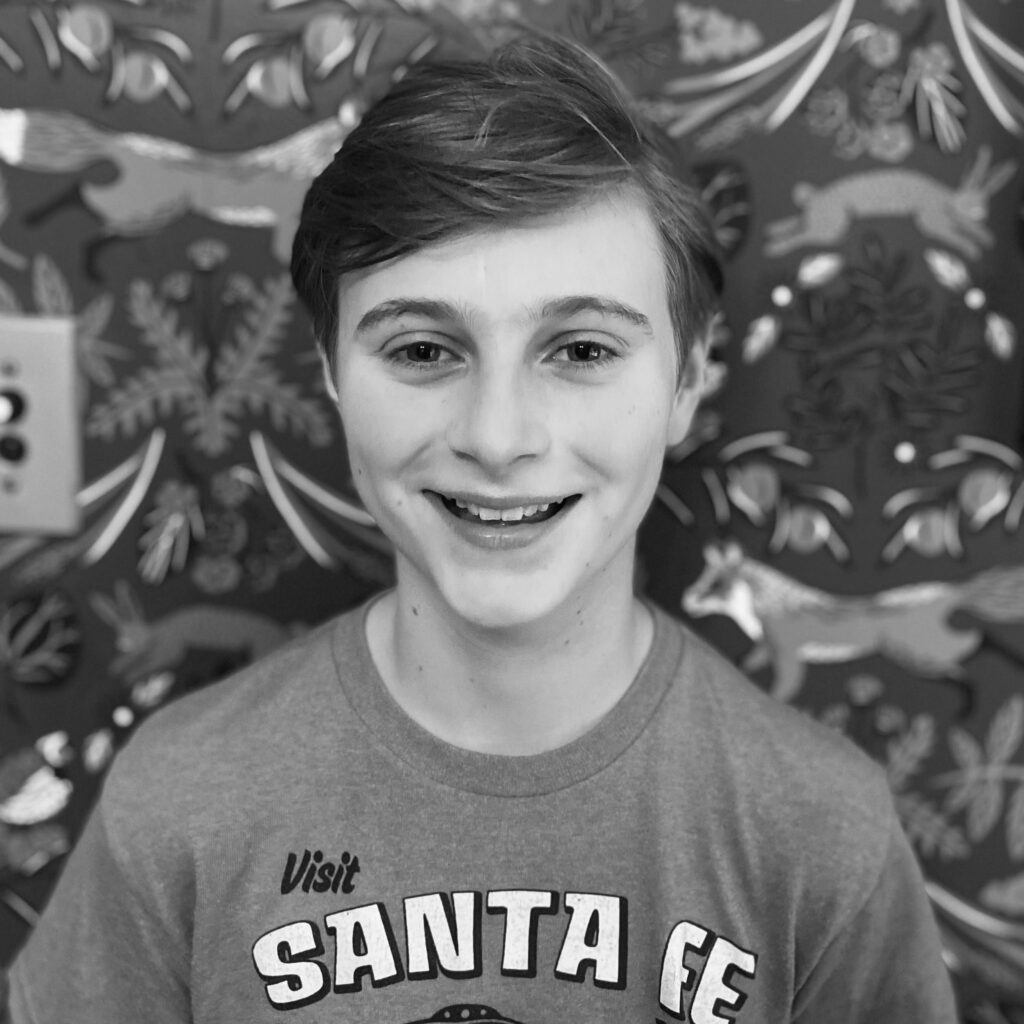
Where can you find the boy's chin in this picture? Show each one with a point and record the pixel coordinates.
(496, 606)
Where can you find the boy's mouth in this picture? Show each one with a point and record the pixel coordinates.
(518, 515)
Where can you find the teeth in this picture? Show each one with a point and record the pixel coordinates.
(506, 515)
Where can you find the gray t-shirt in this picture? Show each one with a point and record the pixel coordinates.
(288, 845)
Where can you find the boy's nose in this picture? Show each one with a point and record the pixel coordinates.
(498, 420)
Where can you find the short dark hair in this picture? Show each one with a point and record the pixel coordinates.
(538, 127)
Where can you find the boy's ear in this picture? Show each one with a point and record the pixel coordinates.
(690, 389)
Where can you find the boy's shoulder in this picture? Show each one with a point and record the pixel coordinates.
(803, 767)
(238, 728)
(786, 794)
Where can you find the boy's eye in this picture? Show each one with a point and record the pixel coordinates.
(421, 355)
(584, 351)
(423, 352)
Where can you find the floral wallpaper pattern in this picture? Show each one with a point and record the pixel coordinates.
(844, 520)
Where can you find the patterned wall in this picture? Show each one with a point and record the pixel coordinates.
(845, 518)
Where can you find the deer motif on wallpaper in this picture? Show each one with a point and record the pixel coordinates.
(793, 625)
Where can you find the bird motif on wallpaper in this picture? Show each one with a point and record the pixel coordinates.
(159, 180)
(793, 625)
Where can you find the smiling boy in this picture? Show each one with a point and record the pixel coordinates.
(508, 789)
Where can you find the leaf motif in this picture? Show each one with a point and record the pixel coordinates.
(950, 271)
(1000, 336)
(8, 299)
(51, 561)
(906, 752)
(257, 337)
(761, 336)
(94, 358)
(965, 792)
(1015, 824)
(965, 748)
(928, 829)
(174, 347)
(93, 320)
(150, 393)
(984, 810)
(815, 271)
(1006, 731)
(49, 289)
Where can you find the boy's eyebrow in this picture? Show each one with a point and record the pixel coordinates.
(392, 309)
(437, 309)
(600, 304)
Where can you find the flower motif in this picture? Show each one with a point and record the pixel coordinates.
(983, 494)
(89, 27)
(216, 574)
(707, 34)
(809, 529)
(227, 533)
(145, 76)
(827, 110)
(207, 253)
(930, 532)
(754, 489)
(177, 286)
(229, 489)
(901, 6)
(932, 61)
(851, 141)
(863, 689)
(270, 80)
(880, 47)
(173, 496)
(328, 39)
(882, 98)
(890, 141)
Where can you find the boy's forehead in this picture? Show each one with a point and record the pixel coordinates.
(610, 246)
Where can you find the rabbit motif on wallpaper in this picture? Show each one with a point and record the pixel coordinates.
(950, 216)
(147, 647)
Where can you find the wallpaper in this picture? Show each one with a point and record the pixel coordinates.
(844, 519)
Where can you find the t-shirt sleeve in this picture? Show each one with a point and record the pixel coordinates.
(885, 966)
(100, 952)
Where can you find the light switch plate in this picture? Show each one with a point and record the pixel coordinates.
(38, 374)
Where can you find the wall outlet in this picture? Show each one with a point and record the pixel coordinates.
(40, 440)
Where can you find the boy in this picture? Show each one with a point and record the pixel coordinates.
(506, 790)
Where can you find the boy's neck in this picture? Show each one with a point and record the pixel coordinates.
(509, 693)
